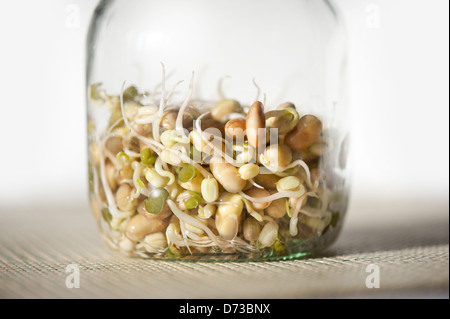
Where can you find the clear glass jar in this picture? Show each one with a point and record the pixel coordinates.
(163, 182)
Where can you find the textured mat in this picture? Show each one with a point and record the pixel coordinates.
(36, 246)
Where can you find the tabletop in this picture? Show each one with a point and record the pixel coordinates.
(406, 241)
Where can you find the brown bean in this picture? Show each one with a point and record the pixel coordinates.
(124, 200)
(114, 144)
(255, 123)
(277, 209)
(304, 134)
(278, 155)
(235, 129)
(258, 192)
(168, 120)
(141, 226)
(227, 175)
(268, 181)
(110, 172)
(223, 108)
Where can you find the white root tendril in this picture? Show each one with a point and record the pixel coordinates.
(220, 87)
(114, 211)
(179, 121)
(293, 230)
(255, 184)
(191, 220)
(258, 90)
(307, 172)
(138, 167)
(283, 194)
(183, 233)
(164, 173)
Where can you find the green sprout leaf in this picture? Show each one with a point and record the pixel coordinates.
(187, 173)
(155, 203)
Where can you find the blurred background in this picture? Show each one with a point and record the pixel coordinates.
(399, 64)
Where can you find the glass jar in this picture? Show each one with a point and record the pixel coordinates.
(245, 159)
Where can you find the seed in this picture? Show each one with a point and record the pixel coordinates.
(277, 156)
(206, 211)
(285, 118)
(126, 244)
(268, 181)
(235, 129)
(168, 120)
(255, 125)
(288, 183)
(155, 242)
(187, 173)
(166, 212)
(258, 192)
(194, 184)
(171, 158)
(147, 157)
(124, 200)
(277, 209)
(210, 189)
(252, 229)
(114, 144)
(141, 226)
(318, 224)
(110, 173)
(195, 229)
(152, 176)
(168, 138)
(305, 133)
(223, 108)
(227, 226)
(244, 153)
(142, 129)
(268, 234)
(249, 171)
(200, 144)
(228, 215)
(227, 175)
(156, 201)
(317, 149)
(188, 200)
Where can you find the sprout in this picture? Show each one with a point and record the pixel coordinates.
(187, 173)
(96, 96)
(146, 157)
(289, 183)
(189, 200)
(170, 137)
(122, 157)
(275, 196)
(140, 182)
(130, 93)
(152, 176)
(156, 201)
(285, 119)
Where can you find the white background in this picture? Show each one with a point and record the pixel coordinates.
(399, 64)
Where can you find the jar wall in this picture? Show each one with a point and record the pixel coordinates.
(294, 51)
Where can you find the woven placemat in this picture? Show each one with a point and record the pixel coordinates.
(37, 245)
